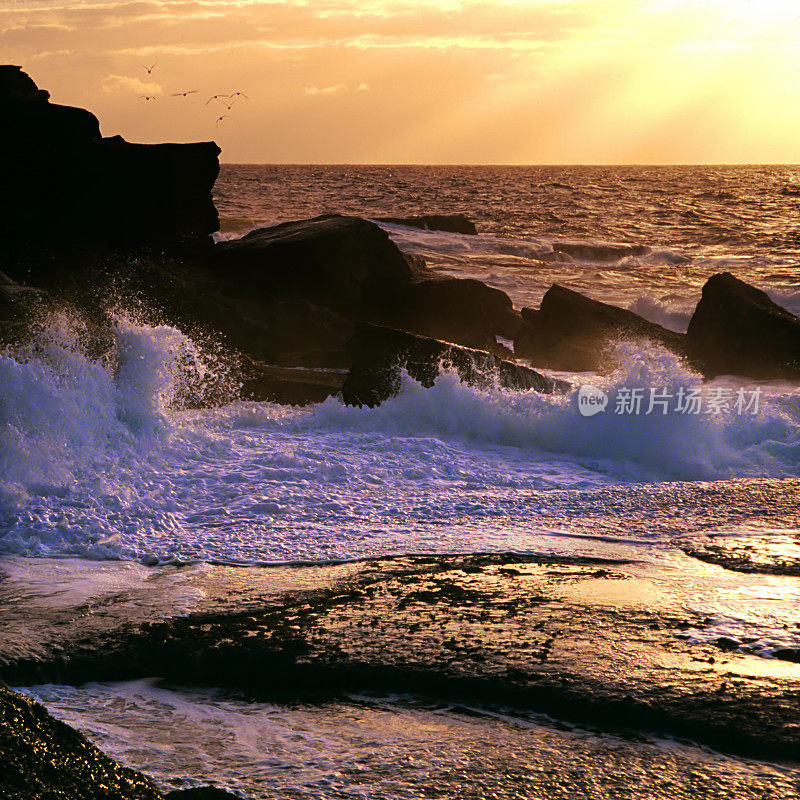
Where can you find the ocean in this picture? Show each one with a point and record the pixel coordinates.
(118, 502)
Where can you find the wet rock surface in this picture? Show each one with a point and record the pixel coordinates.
(44, 759)
(737, 329)
(578, 639)
(571, 331)
(379, 355)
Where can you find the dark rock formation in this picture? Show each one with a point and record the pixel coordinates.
(351, 266)
(17, 305)
(570, 331)
(44, 759)
(202, 793)
(296, 386)
(63, 184)
(449, 223)
(345, 263)
(460, 310)
(736, 329)
(378, 355)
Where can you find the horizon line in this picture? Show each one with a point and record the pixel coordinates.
(491, 164)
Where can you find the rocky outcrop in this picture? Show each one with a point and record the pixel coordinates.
(571, 331)
(737, 329)
(344, 263)
(64, 185)
(448, 223)
(44, 759)
(379, 355)
(351, 266)
(461, 310)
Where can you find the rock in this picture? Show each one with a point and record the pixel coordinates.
(570, 331)
(345, 263)
(449, 223)
(202, 793)
(737, 329)
(18, 307)
(296, 386)
(378, 355)
(584, 251)
(44, 759)
(64, 185)
(460, 310)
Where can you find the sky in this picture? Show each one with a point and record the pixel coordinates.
(451, 82)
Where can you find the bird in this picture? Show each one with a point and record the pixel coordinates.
(147, 97)
(229, 106)
(184, 94)
(216, 97)
(239, 94)
(149, 69)
(219, 119)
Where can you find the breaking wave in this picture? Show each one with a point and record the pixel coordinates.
(106, 458)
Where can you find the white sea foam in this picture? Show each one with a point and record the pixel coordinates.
(98, 462)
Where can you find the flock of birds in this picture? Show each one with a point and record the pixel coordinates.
(226, 99)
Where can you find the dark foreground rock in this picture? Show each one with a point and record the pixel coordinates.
(379, 355)
(571, 331)
(44, 759)
(64, 185)
(448, 223)
(737, 329)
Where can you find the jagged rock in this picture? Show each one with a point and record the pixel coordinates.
(44, 759)
(64, 185)
(378, 355)
(570, 331)
(345, 263)
(737, 329)
(449, 223)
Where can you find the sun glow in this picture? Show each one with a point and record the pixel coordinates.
(503, 81)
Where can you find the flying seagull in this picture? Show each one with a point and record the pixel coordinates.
(239, 94)
(184, 94)
(149, 69)
(216, 97)
(147, 96)
(219, 119)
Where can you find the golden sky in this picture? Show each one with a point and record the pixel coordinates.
(456, 81)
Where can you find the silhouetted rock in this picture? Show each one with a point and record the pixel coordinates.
(737, 329)
(350, 265)
(570, 331)
(449, 223)
(379, 354)
(43, 759)
(64, 185)
(460, 310)
(345, 263)
(296, 386)
(202, 793)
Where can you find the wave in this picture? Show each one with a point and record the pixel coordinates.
(105, 458)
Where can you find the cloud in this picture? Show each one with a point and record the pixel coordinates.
(121, 84)
(326, 90)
